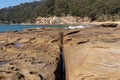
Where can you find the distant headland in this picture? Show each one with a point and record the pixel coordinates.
(61, 12)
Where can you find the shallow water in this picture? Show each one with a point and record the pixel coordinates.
(18, 44)
(3, 63)
(5, 28)
(81, 26)
(63, 67)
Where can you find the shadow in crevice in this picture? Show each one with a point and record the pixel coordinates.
(60, 71)
(63, 66)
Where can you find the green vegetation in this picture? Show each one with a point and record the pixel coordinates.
(95, 9)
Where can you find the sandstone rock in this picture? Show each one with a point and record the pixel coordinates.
(18, 76)
(61, 20)
(90, 54)
(37, 59)
(109, 25)
(2, 77)
(24, 40)
(97, 55)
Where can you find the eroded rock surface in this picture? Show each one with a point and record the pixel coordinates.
(34, 54)
(30, 55)
(92, 53)
(109, 25)
(61, 20)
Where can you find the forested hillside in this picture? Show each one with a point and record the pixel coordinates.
(94, 9)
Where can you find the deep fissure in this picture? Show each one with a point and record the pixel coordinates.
(62, 57)
(63, 66)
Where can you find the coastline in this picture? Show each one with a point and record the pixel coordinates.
(39, 24)
(93, 22)
(98, 23)
(81, 47)
(66, 26)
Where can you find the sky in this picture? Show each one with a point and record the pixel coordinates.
(7, 3)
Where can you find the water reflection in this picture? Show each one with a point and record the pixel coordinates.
(18, 44)
(3, 63)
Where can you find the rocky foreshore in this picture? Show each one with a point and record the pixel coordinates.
(35, 54)
(93, 53)
(30, 55)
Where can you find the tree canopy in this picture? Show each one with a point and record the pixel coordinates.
(28, 12)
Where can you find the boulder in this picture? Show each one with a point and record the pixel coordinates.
(109, 25)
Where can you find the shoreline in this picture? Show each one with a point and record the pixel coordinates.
(80, 46)
(38, 24)
(93, 22)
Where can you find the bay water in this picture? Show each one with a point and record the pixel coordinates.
(5, 28)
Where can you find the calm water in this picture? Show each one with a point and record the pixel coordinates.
(5, 28)
(2, 63)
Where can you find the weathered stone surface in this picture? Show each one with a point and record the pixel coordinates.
(34, 54)
(30, 55)
(92, 54)
(109, 25)
(61, 20)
